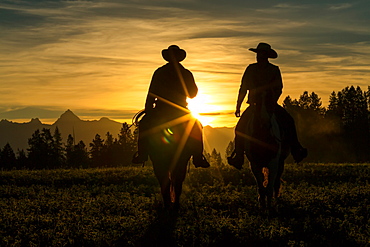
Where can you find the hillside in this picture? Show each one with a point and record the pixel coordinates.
(218, 138)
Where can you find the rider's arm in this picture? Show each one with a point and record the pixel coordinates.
(150, 100)
(151, 97)
(242, 92)
(277, 84)
(191, 87)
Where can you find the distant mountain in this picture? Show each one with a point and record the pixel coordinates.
(218, 138)
(17, 134)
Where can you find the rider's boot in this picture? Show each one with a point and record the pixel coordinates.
(299, 153)
(236, 160)
(237, 157)
(200, 161)
(139, 158)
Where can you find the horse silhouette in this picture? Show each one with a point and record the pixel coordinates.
(171, 143)
(266, 145)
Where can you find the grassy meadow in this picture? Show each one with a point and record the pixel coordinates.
(321, 205)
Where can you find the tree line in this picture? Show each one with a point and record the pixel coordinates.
(339, 132)
(47, 151)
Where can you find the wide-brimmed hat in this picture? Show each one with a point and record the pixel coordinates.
(173, 53)
(266, 48)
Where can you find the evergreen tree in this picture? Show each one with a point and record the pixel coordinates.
(230, 148)
(8, 160)
(82, 155)
(58, 151)
(341, 133)
(69, 147)
(108, 152)
(22, 160)
(356, 122)
(44, 152)
(215, 158)
(76, 154)
(128, 144)
(333, 103)
(96, 151)
(37, 151)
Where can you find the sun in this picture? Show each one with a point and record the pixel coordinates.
(202, 107)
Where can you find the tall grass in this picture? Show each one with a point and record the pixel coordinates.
(321, 205)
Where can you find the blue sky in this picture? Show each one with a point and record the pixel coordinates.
(97, 57)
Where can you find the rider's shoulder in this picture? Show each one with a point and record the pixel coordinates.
(273, 66)
(252, 66)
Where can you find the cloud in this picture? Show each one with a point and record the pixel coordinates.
(340, 6)
(101, 55)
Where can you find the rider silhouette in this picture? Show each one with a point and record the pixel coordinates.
(263, 78)
(170, 86)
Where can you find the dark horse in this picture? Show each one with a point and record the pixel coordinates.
(171, 143)
(266, 145)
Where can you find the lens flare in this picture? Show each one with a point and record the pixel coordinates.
(201, 106)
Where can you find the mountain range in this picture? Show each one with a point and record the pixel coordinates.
(17, 134)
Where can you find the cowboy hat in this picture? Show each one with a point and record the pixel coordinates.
(173, 53)
(267, 48)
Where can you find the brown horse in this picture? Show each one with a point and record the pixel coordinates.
(171, 142)
(266, 145)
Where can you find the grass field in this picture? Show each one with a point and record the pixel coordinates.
(321, 205)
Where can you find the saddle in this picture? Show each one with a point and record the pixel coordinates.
(262, 135)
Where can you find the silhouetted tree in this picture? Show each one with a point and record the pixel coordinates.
(77, 155)
(311, 102)
(22, 160)
(58, 151)
(230, 148)
(339, 133)
(44, 151)
(96, 151)
(39, 151)
(8, 160)
(355, 117)
(215, 158)
(112, 151)
(108, 152)
(128, 144)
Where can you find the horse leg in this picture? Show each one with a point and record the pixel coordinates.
(163, 178)
(166, 192)
(272, 175)
(178, 177)
(277, 185)
(258, 175)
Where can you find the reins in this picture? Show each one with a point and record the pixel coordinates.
(136, 118)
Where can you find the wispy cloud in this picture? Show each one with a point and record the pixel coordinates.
(340, 6)
(101, 55)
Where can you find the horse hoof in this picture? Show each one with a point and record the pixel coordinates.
(201, 162)
(236, 162)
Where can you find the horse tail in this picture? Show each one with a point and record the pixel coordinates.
(265, 172)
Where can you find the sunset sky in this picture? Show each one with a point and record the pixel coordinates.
(97, 57)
